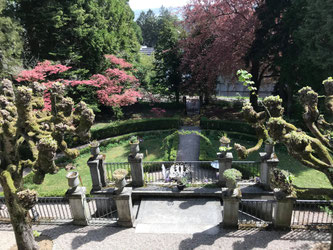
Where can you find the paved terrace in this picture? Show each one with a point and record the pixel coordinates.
(74, 237)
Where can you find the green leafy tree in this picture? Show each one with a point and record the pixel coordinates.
(78, 33)
(11, 43)
(168, 55)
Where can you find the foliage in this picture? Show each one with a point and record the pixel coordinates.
(232, 174)
(119, 128)
(11, 45)
(283, 181)
(148, 23)
(116, 149)
(220, 33)
(78, 33)
(245, 78)
(133, 139)
(168, 55)
(313, 152)
(119, 174)
(226, 125)
(116, 88)
(146, 73)
(23, 123)
(94, 144)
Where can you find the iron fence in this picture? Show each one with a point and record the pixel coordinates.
(195, 171)
(249, 169)
(255, 213)
(4, 215)
(312, 214)
(48, 210)
(112, 166)
(169, 171)
(102, 210)
(51, 210)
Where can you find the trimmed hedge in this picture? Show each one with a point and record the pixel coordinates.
(228, 126)
(130, 126)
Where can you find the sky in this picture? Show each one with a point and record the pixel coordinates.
(151, 4)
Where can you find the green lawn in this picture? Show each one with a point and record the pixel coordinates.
(56, 185)
(304, 177)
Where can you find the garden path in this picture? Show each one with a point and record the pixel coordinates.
(189, 145)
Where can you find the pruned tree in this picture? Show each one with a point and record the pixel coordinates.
(312, 151)
(25, 126)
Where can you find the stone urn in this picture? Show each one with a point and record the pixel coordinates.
(119, 179)
(94, 148)
(73, 179)
(134, 145)
(225, 146)
(269, 148)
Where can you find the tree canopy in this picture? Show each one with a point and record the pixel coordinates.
(219, 35)
(78, 33)
(11, 43)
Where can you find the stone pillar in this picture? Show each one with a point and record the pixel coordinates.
(225, 163)
(266, 165)
(78, 205)
(136, 170)
(231, 198)
(97, 172)
(282, 212)
(125, 208)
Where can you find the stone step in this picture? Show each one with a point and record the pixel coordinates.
(179, 215)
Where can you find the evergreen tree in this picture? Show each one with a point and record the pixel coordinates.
(168, 55)
(148, 23)
(79, 31)
(11, 44)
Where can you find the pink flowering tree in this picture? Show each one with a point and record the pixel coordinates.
(115, 88)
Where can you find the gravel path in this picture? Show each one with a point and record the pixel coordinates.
(74, 237)
(189, 145)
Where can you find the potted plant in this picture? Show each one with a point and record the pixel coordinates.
(232, 176)
(181, 183)
(134, 143)
(224, 140)
(73, 179)
(94, 148)
(224, 148)
(119, 178)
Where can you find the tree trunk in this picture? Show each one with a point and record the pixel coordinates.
(20, 218)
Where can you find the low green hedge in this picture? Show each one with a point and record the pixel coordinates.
(130, 126)
(228, 126)
(125, 127)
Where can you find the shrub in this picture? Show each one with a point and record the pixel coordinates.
(224, 125)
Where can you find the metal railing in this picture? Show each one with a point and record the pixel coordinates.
(312, 213)
(112, 166)
(102, 210)
(194, 171)
(197, 171)
(255, 213)
(4, 214)
(51, 210)
(249, 169)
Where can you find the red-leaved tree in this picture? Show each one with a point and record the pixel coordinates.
(220, 32)
(117, 87)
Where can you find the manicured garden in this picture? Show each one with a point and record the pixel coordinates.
(116, 150)
(302, 174)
